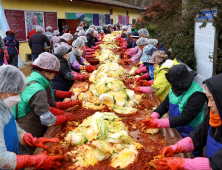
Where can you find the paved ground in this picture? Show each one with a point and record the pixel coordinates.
(26, 70)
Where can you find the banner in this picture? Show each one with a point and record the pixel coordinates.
(96, 19)
(120, 19)
(89, 16)
(107, 16)
(127, 20)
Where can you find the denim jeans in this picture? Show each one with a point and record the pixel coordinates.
(34, 56)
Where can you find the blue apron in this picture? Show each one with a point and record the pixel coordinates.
(10, 135)
(183, 130)
(133, 44)
(151, 71)
(212, 145)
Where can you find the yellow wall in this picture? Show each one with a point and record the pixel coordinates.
(61, 8)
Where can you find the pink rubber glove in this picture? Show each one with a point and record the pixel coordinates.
(124, 47)
(162, 123)
(97, 43)
(73, 72)
(90, 53)
(156, 123)
(146, 89)
(140, 70)
(184, 145)
(131, 51)
(142, 65)
(155, 115)
(132, 55)
(143, 77)
(177, 163)
(197, 163)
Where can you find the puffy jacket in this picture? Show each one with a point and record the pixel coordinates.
(89, 41)
(37, 41)
(161, 86)
(160, 47)
(11, 44)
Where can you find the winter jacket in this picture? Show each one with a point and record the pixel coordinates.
(160, 47)
(148, 51)
(37, 41)
(161, 86)
(200, 134)
(75, 37)
(54, 40)
(30, 34)
(8, 160)
(49, 34)
(89, 41)
(123, 35)
(32, 99)
(190, 97)
(131, 45)
(76, 61)
(11, 44)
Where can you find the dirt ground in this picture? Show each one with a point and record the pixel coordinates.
(26, 70)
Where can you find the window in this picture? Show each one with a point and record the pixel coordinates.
(127, 13)
(111, 21)
(133, 21)
(111, 12)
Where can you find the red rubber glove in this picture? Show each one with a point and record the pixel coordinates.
(90, 68)
(183, 146)
(56, 112)
(38, 142)
(143, 77)
(6, 54)
(81, 77)
(126, 60)
(150, 123)
(89, 56)
(39, 161)
(136, 89)
(140, 70)
(173, 163)
(60, 119)
(63, 94)
(66, 105)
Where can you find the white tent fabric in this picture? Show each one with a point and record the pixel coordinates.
(3, 22)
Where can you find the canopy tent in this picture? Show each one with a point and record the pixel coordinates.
(3, 22)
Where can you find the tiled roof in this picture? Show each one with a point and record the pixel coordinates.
(117, 3)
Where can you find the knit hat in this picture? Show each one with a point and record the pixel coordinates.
(135, 35)
(133, 30)
(158, 57)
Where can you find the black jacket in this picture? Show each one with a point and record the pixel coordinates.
(75, 37)
(37, 41)
(132, 44)
(199, 135)
(181, 79)
(90, 42)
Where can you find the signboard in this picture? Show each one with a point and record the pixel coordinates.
(16, 22)
(21, 22)
(50, 19)
(204, 47)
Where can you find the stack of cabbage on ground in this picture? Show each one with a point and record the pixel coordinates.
(102, 136)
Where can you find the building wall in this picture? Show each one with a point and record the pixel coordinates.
(61, 8)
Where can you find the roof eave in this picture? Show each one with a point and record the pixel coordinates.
(103, 4)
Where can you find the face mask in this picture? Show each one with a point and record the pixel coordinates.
(80, 52)
(66, 56)
(12, 101)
